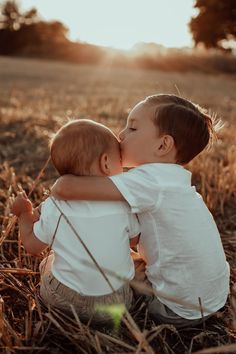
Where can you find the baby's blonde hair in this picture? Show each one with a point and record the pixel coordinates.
(78, 144)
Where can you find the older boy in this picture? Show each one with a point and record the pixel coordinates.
(76, 230)
(179, 241)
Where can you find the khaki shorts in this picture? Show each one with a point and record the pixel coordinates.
(58, 295)
(163, 314)
(157, 310)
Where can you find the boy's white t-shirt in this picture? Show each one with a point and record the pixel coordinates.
(179, 238)
(105, 228)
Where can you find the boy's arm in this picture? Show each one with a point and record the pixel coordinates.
(71, 187)
(23, 208)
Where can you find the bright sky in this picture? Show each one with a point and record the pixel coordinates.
(120, 23)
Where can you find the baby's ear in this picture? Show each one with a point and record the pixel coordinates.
(104, 164)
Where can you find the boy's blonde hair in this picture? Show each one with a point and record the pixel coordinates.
(78, 144)
(189, 124)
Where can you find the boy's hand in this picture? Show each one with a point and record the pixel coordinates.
(21, 204)
(140, 266)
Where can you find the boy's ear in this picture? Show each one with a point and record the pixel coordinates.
(165, 145)
(104, 164)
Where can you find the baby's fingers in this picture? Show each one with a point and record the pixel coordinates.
(21, 205)
(22, 195)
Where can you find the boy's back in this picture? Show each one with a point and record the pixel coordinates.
(105, 228)
(179, 238)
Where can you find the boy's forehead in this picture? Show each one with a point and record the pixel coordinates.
(136, 110)
(140, 111)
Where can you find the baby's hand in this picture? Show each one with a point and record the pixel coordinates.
(21, 204)
(37, 213)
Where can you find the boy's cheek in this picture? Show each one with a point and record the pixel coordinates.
(123, 155)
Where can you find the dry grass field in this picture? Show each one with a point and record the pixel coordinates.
(37, 97)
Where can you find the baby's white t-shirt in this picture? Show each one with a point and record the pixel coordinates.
(179, 238)
(105, 228)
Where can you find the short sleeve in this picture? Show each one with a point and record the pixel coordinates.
(139, 189)
(45, 227)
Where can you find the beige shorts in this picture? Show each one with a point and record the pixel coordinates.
(58, 295)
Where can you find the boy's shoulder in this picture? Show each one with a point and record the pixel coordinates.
(161, 173)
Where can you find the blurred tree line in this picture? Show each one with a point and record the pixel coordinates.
(25, 34)
(215, 23)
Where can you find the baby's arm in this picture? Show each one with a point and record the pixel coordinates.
(23, 208)
(71, 187)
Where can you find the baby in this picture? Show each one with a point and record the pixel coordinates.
(89, 239)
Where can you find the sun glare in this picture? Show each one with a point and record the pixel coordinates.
(121, 24)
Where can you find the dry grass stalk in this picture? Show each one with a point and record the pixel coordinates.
(115, 341)
(138, 335)
(4, 334)
(12, 222)
(18, 271)
(221, 349)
